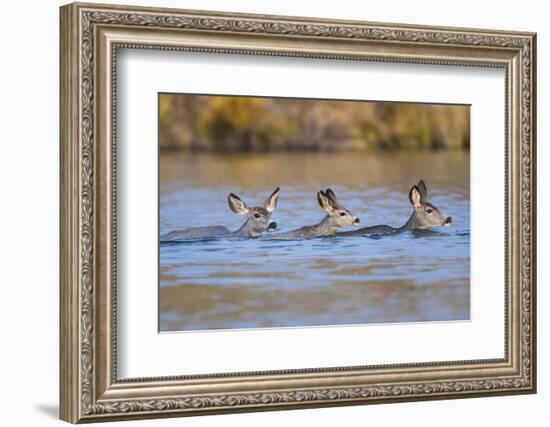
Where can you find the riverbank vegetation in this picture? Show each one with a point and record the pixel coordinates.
(251, 124)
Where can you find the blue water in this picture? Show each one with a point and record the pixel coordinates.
(259, 283)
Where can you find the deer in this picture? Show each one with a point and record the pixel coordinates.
(424, 216)
(337, 216)
(258, 220)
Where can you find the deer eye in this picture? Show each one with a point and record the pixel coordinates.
(342, 214)
(256, 215)
(429, 210)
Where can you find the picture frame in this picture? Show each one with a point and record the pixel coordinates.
(91, 35)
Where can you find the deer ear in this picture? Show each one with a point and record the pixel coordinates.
(414, 196)
(331, 196)
(325, 202)
(320, 196)
(237, 205)
(423, 190)
(271, 202)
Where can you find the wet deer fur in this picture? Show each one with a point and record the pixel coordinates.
(258, 220)
(337, 216)
(425, 215)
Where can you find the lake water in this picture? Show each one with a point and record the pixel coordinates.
(262, 283)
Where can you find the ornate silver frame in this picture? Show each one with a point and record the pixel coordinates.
(90, 36)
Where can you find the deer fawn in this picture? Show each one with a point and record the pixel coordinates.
(425, 215)
(258, 220)
(336, 218)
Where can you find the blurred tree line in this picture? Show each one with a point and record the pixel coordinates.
(231, 123)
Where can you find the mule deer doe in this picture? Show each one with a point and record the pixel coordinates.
(258, 220)
(425, 215)
(336, 218)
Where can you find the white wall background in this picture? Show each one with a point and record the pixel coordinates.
(29, 170)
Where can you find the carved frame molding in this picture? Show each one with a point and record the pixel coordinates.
(90, 37)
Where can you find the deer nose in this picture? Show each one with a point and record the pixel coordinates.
(272, 225)
(448, 220)
(357, 221)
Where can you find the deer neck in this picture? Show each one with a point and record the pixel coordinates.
(410, 224)
(246, 230)
(325, 227)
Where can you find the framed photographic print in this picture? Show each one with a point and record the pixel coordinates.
(265, 212)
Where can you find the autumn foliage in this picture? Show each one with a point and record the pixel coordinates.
(232, 124)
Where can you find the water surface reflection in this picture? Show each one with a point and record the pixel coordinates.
(254, 283)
